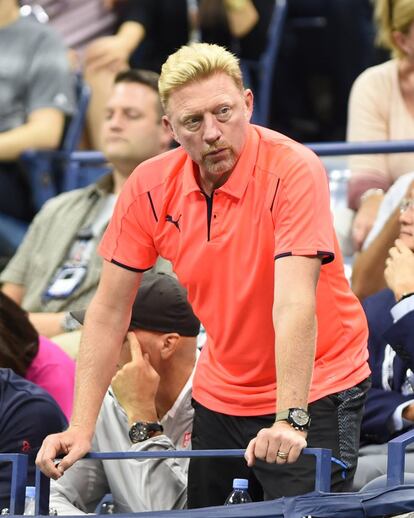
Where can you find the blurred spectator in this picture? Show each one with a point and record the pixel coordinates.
(78, 22)
(101, 35)
(326, 44)
(35, 357)
(35, 96)
(27, 415)
(106, 35)
(381, 107)
(156, 28)
(56, 268)
(147, 408)
(389, 409)
(239, 25)
(369, 264)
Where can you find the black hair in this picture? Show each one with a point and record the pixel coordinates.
(145, 77)
(19, 340)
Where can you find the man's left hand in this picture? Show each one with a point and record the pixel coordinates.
(279, 444)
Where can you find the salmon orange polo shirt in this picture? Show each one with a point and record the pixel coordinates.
(223, 248)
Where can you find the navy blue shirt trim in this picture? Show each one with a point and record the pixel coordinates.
(327, 257)
(130, 267)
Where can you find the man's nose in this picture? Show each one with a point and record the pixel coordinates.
(116, 120)
(406, 216)
(211, 130)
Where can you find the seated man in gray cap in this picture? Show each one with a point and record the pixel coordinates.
(147, 407)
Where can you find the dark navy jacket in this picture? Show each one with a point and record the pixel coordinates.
(27, 415)
(381, 403)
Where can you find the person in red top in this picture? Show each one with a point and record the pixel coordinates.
(243, 214)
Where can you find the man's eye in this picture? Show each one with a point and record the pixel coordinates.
(133, 115)
(224, 113)
(193, 123)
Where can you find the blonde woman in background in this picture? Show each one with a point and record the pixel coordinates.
(381, 107)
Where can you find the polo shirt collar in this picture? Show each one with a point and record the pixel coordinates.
(239, 179)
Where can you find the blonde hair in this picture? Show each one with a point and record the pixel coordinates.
(390, 16)
(194, 62)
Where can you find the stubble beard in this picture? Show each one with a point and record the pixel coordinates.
(218, 168)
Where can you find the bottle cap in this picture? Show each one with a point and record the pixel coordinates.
(240, 483)
(30, 492)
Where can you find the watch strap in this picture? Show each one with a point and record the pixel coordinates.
(283, 415)
(288, 416)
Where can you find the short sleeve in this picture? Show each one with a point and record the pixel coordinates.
(128, 239)
(301, 211)
(50, 79)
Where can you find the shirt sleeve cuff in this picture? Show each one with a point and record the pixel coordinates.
(402, 308)
(398, 423)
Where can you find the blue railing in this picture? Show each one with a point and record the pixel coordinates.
(361, 148)
(395, 474)
(42, 483)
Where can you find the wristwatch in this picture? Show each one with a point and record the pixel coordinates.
(142, 430)
(68, 323)
(299, 418)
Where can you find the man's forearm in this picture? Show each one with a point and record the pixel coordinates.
(47, 324)
(132, 34)
(295, 354)
(42, 133)
(242, 16)
(102, 337)
(369, 265)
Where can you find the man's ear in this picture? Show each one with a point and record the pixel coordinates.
(169, 127)
(169, 345)
(248, 101)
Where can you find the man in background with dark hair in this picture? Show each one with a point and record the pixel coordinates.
(56, 268)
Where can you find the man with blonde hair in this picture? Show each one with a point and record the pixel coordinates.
(243, 214)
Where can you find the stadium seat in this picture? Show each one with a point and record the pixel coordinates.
(45, 169)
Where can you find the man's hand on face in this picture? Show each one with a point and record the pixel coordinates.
(399, 269)
(280, 438)
(73, 444)
(135, 385)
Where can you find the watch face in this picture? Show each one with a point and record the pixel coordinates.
(138, 432)
(300, 416)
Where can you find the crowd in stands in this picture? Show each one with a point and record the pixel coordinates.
(51, 266)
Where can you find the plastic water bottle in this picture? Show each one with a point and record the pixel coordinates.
(239, 495)
(30, 500)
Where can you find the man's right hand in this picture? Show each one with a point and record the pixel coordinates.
(73, 444)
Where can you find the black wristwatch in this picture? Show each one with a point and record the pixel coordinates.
(299, 418)
(142, 430)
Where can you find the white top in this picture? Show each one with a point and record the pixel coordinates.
(377, 111)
